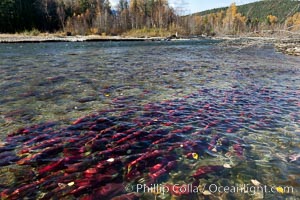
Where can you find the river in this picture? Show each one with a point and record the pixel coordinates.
(194, 113)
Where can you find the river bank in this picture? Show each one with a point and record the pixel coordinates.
(289, 46)
(16, 38)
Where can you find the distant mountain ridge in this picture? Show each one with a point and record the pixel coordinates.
(261, 9)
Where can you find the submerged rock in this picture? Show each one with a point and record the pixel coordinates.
(87, 99)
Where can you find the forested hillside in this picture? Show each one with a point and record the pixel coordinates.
(85, 17)
(261, 16)
(261, 9)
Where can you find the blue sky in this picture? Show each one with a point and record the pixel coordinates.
(192, 6)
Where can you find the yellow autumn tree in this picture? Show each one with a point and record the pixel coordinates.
(209, 24)
(272, 20)
(218, 26)
(239, 23)
(229, 17)
(135, 13)
(293, 23)
(149, 13)
(198, 23)
(233, 21)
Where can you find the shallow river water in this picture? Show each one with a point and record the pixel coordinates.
(148, 120)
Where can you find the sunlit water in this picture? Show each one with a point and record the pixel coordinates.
(193, 104)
